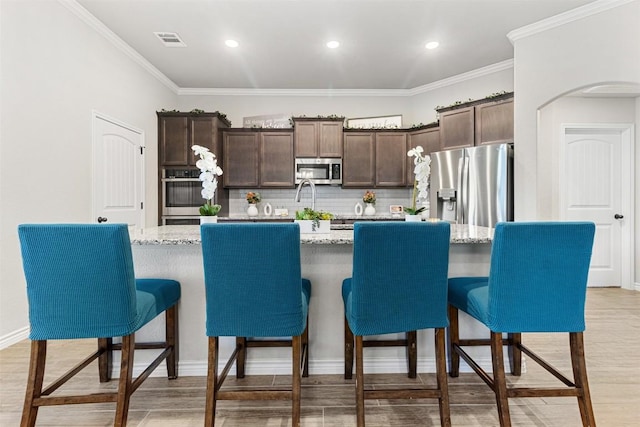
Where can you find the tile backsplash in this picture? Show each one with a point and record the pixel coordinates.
(333, 199)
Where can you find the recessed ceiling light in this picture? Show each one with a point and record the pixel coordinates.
(333, 44)
(231, 43)
(432, 45)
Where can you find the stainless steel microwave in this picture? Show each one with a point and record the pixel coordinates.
(320, 171)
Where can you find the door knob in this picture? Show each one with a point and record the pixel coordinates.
(618, 216)
(101, 219)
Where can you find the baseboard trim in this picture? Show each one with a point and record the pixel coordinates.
(14, 337)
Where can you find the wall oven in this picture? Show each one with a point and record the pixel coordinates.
(320, 171)
(181, 194)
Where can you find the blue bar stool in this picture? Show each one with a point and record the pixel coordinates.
(399, 284)
(254, 288)
(81, 284)
(537, 283)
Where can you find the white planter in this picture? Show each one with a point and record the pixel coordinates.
(370, 209)
(208, 219)
(412, 218)
(307, 226)
(252, 210)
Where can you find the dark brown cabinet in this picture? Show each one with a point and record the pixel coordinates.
(318, 137)
(486, 121)
(177, 132)
(358, 161)
(457, 128)
(494, 122)
(258, 159)
(391, 159)
(429, 140)
(276, 159)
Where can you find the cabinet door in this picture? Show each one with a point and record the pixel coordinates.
(429, 140)
(240, 165)
(276, 159)
(174, 141)
(305, 137)
(330, 139)
(494, 122)
(358, 162)
(202, 131)
(457, 128)
(391, 159)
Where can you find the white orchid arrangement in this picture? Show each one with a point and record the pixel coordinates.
(209, 171)
(422, 170)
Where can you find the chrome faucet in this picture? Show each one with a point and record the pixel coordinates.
(313, 192)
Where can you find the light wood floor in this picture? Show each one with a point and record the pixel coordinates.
(612, 341)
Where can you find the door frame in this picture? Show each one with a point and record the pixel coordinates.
(96, 115)
(627, 154)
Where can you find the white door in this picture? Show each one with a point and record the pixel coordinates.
(596, 186)
(118, 172)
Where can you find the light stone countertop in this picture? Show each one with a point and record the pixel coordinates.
(190, 235)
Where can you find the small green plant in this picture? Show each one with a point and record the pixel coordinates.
(315, 216)
(209, 209)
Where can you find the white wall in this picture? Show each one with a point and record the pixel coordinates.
(55, 71)
(597, 49)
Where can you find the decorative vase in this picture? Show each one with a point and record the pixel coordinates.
(358, 209)
(267, 209)
(252, 210)
(412, 218)
(208, 219)
(370, 209)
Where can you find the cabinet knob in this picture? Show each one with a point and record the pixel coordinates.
(101, 219)
(618, 216)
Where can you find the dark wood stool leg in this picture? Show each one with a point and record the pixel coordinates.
(441, 376)
(359, 382)
(241, 344)
(412, 353)
(105, 361)
(125, 386)
(499, 380)
(212, 383)
(348, 351)
(515, 354)
(34, 383)
(576, 343)
(305, 348)
(296, 344)
(171, 331)
(454, 338)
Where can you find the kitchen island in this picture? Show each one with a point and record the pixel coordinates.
(174, 252)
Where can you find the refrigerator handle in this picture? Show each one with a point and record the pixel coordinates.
(462, 190)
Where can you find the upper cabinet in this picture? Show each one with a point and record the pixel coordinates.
(358, 163)
(177, 132)
(487, 121)
(314, 137)
(391, 159)
(258, 158)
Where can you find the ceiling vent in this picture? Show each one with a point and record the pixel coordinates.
(170, 39)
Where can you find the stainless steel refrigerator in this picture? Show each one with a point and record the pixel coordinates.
(472, 185)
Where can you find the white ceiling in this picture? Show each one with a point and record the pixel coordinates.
(282, 43)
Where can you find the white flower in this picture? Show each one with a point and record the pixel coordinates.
(209, 170)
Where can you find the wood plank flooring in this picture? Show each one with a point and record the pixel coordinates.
(612, 342)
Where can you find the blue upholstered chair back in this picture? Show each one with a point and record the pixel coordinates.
(253, 279)
(538, 276)
(80, 280)
(399, 278)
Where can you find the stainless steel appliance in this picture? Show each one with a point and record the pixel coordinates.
(473, 185)
(320, 171)
(181, 196)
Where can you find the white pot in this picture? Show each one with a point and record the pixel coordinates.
(412, 218)
(252, 210)
(307, 227)
(370, 209)
(208, 219)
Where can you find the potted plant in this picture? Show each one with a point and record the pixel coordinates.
(253, 198)
(369, 199)
(421, 171)
(209, 171)
(311, 221)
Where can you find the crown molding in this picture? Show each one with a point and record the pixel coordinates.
(100, 28)
(590, 9)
